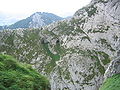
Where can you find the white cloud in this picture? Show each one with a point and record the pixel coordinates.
(27, 7)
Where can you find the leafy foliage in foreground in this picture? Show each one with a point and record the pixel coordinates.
(112, 83)
(18, 76)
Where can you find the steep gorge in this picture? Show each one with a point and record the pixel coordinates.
(74, 53)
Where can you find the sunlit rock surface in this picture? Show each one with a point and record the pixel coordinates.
(74, 53)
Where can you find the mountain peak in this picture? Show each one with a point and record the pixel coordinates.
(36, 20)
(41, 13)
(40, 19)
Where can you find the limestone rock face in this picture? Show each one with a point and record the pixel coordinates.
(37, 21)
(74, 53)
(40, 19)
(114, 68)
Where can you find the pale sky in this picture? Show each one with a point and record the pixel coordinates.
(24, 8)
(59, 7)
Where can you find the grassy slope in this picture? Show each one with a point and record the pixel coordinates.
(18, 76)
(112, 83)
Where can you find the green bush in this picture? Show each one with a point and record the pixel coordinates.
(18, 76)
(112, 83)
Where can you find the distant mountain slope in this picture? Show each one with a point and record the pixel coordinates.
(36, 20)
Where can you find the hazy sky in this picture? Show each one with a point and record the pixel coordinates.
(14, 10)
(27, 7)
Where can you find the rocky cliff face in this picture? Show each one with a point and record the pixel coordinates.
(74, 53)
(113, 69)
(112, 76)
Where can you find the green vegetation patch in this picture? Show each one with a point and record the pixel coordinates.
(99, 56)
(86, 38)
(18, 76)
(54, 57)
(91, 10)
(105, 57)
(101, 29)
(112, 83)
(106, 44)
(69, 28)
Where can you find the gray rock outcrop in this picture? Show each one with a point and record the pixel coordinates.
(114, 68)
(73, 53)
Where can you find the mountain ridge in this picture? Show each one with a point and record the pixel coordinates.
(36, 20)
